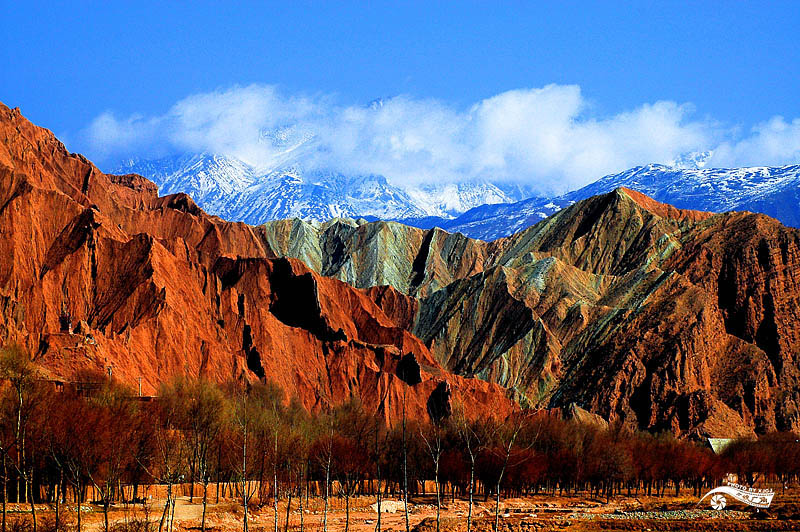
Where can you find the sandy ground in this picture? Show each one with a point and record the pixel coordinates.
(534, 513)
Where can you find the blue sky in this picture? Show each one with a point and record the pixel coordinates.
(727, 68)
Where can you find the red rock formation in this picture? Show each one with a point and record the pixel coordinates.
(661, 318)
(153, 287)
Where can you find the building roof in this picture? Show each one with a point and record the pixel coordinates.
(718, 445)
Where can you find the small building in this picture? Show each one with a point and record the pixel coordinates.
(718, 445)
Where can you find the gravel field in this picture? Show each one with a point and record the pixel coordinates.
(667, 514)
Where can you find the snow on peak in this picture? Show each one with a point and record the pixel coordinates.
(289, 187)
(692, 160)
(774, 191)
(235, 190)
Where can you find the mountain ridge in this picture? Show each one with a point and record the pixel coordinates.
(645, 314)
(237, 191)
(596, 300)
(774, 191)
(101, 273)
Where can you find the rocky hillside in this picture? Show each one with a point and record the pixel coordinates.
(99, 272)
(661, 318)
(664, 318)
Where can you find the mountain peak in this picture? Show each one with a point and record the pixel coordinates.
(774, 191)
(158, 288)
(662, 210)
(647, 321)
(237, 191)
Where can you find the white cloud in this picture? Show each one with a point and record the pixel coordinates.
(544, 137)
(772, 143)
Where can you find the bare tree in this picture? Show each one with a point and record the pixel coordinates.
(432, 435)
(200, 408)
(405, 463)
(266, 402)
(475, 436)
(117, 432)
(350, 468)
(17, 368)
(246, 419)
(170, 447)
(508, 432)
(293, 452)
(274, 424)
(7, 439)
(351, 449)
(72, 424)
(299, 446)
(53, 441)
(380, 436)
(322, 454)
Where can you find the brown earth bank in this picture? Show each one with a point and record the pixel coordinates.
(663, 319)
(537, 513)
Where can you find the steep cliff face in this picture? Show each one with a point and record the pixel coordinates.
(628, 308)
(663, 318)
(363, 254)
(751, 265)
(99, 272)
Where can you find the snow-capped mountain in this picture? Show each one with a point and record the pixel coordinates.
(774, 191)
(237, 191)
(209, 179)
(452, 199)
(318, 196)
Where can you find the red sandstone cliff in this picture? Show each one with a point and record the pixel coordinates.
(663, 319)
(155, 287)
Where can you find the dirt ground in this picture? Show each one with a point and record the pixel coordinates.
(536, 513)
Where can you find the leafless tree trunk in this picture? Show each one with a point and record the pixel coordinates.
(165, 513)
(244, 474)
(434, 444)
(347, 511)
(275, 478)
(29, 485)
(19, 439)
(303, 485)
(205, 503)
(327, 493)
(79, 497)
(513, 430)
(5, 489)
(105, 514)
(471, 490)
(57, 492)
(172, 512)
(405, 464)
(328, 459)
(192, 469)
(288, 507)
(219, 461)
(500, 480)
(378, 493)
